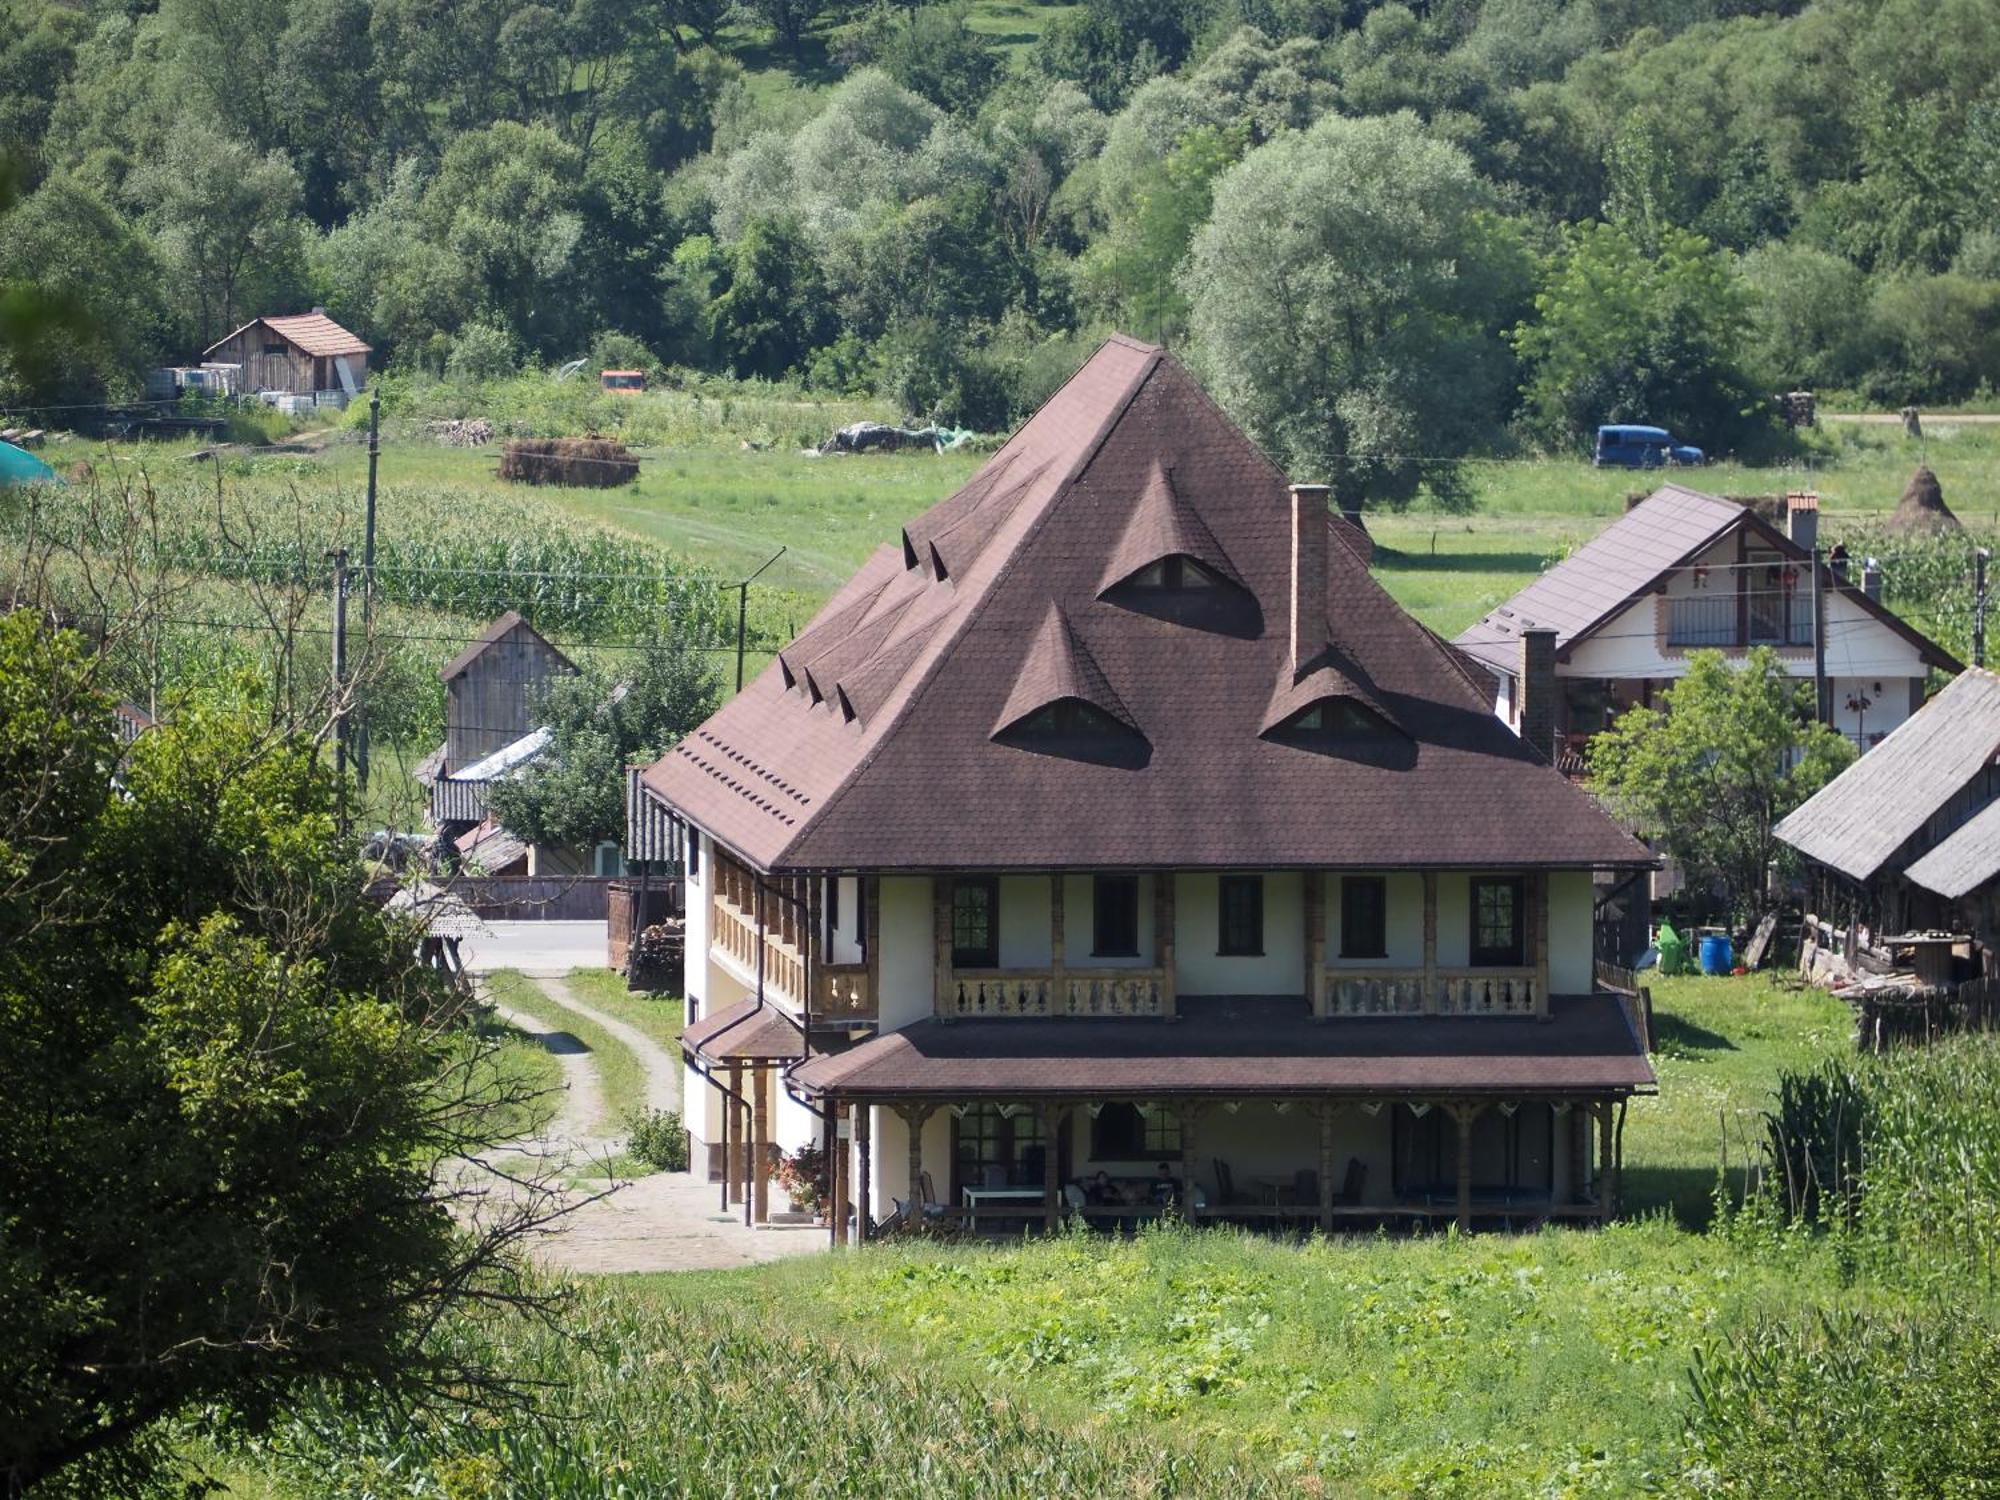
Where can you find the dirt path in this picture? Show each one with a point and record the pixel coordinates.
(663, 1069)
(579, 1122)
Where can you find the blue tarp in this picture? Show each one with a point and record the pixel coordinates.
(18, 466)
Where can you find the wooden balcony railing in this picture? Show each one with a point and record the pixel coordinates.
(1405, 992)
(1043, 992)
(843, 992)
(735, 938)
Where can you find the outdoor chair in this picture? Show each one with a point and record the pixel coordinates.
(1305, 1187)
(933, 1208)
(1225, 1186)
(1355, 1181)
(995, 1176)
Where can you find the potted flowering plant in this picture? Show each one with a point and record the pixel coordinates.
(802, 1175)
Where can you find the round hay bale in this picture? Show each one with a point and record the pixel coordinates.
(586, 462)
(1922, 511)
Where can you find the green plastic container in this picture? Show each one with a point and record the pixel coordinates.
(1674, 958)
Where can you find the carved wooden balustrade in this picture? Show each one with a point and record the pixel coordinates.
(735, 936)
(978, 993)
(843, 992)
(1453, 992)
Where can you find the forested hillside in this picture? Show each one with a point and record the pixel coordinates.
(1385, 234)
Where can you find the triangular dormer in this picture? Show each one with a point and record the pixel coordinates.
(1326, 708)
(1062, 703)
(1166, 544)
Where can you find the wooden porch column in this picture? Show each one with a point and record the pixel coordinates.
(1327, 1109)
(732, 1138)
(1058, 948)
(1538, 919)
(1163, 939)
(760, 1137)
(836, 1172)
(914, 1116)
(1433, 1002)
(1464, 1114)
(1562, 1132)
(864, 1176)
(1607, 1175)
(1051, 1121)
(1189, 1114)
(942, 1001)
(869, 888)
(1315, 899)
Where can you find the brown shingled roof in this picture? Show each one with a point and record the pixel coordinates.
(1163, 526)
(1059, 666)
(744, 1032)
(896, 767)
(1243, 1046)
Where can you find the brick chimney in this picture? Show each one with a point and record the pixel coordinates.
(1535, 692)
(1308, 602)
(1802, 519)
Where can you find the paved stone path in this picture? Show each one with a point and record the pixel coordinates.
(668, 1221)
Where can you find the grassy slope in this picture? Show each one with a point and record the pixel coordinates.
(659, 1017)
(1555, 1362)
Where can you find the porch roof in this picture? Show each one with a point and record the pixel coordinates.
(744, 1032)
(1244, 1046)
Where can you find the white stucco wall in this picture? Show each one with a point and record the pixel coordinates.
(1200, 970)
(1454, 919)
(1403, 922)
(1025, 910)
(907, 953)
(1570, 903)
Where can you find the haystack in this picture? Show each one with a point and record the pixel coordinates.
(593, 462)
(1922, 511)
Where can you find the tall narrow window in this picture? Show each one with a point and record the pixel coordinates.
(1240, 917)
(832, 902)
(1497, 933)
(1364, 925)
(1115, 917)
(975, 922)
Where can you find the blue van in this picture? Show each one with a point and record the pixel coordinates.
(1626, 447)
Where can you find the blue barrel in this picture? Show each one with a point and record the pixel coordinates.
(1717, 957)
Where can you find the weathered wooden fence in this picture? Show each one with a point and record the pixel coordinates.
(536, 898)
(1634, 996)
(1888, 1020)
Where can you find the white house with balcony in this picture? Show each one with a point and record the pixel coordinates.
(1112, 845)
(1680, 572)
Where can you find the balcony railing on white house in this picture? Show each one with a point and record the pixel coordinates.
(1730, 621)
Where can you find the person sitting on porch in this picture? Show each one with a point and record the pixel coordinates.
(1166, 1186)
(1100, 1191)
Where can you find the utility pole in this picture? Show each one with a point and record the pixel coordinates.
(368, 571)
(743, 612)
(1821, 709)
(1979, 557)
(339, 555)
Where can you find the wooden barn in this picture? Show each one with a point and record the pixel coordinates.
(491, 688)
(307, 355)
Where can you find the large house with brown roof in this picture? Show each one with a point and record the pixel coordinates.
(1682, 572)
(1116, 819)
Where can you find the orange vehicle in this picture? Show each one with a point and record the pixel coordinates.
(622, 382)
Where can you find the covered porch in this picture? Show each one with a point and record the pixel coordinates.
(1245, 1112)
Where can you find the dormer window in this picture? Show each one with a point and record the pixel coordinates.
(1070, 717)
(1332, 721)
(1176, 572)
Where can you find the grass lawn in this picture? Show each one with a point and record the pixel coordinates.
(521, 1061)
(659, 1016)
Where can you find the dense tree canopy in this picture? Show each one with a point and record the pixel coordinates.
(890, 196)
(229, 1099)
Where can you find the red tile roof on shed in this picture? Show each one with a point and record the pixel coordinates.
(314, 332)
(879, 757)
(1240, 1046)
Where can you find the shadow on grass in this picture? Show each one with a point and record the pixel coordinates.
(1687, 1193)
(1461, 562)
(1672, 1031)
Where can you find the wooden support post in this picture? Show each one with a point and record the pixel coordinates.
(1163, 939)
(760, 1141)
(1051, 1197)
(1058, 948)
(1327, 1111)
(1433, 1001)
(1189, 1114)
(944, 1003)
(1464, 1114)
(743, 1154)
(1538, 914)
(731, 1138)
(1315, 914)
(1607, 1175)
(870, 889)
(914, 1116)
(1579, 1150)
(836, 1174)
(864, 1175)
